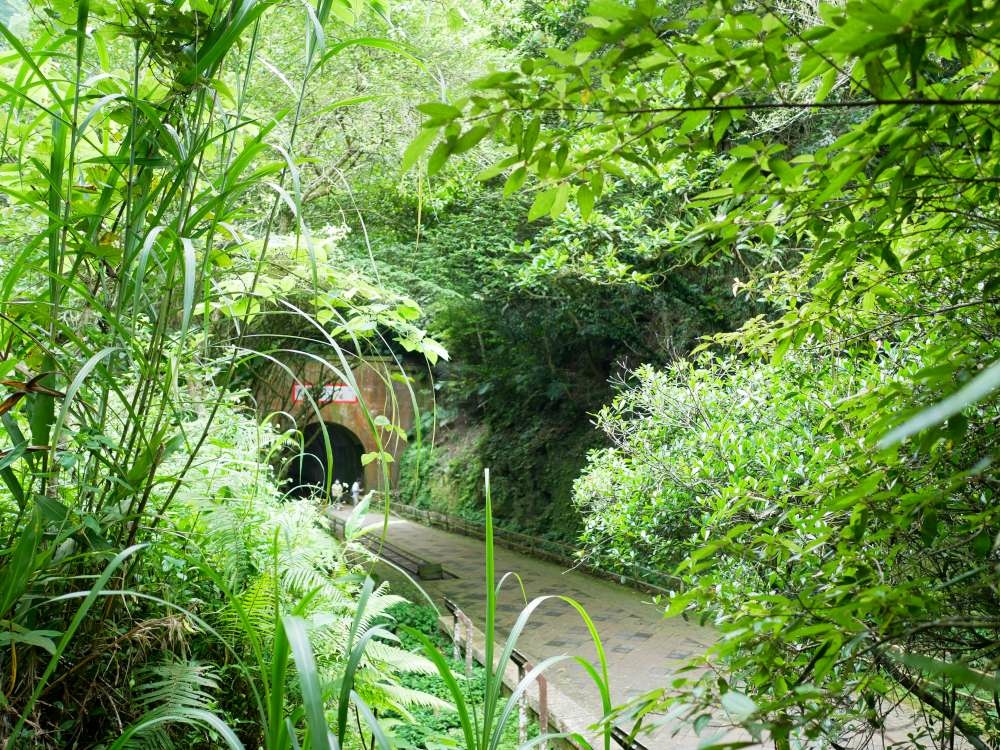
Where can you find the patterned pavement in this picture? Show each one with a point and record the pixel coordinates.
(642, 648)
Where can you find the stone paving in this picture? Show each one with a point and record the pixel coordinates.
(642, 648)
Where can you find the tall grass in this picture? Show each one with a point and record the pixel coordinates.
(483, 726)
(131, 153)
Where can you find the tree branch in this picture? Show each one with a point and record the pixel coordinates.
(917, 690)
(753, 106)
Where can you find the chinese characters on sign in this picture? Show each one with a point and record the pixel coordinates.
(331, 393)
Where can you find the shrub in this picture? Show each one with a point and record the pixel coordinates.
(830, 567)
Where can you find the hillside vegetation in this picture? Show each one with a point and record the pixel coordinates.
(705, 288)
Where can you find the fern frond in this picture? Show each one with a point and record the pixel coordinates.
(172, 687)
(398, 659)
(176, 684)
(402, 698)
(258, 601)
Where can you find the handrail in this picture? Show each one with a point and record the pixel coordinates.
(423, 569)
(546, 549)
(463, 632)
(620, 736)
(524, 666)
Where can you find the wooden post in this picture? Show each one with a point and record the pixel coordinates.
(543, 710)
(523, 668)
(468, 646)
(522, 707)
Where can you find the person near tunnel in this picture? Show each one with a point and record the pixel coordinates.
(330, 456)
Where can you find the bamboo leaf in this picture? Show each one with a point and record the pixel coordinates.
(190, 270)
(972, 392)
(74, 386)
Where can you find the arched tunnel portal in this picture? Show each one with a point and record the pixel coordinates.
(367, 409)
(333, 456)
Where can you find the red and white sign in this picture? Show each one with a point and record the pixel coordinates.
(331, 393)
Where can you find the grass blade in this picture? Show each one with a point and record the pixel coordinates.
(312, 695)
(193, 716)
(366, 713)
(74, 625)
(74, 386)
(444, 671)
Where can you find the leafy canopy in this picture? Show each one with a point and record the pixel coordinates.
(856, 150)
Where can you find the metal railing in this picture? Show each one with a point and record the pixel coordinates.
(463, 632)
(462, 639)
(462, 627)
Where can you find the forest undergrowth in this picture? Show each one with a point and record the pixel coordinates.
(756, 244)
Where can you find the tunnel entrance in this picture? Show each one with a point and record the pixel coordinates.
(308, 471)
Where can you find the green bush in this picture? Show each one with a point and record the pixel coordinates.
(699, 448)
(828, 566)
(146, 559)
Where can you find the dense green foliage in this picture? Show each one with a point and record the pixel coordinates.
(759, 243)
(155, 245)
(434, 727)
(147, 557)
(835, 510)
(756, 484)
(538, 318)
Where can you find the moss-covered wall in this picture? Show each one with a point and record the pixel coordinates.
(532, 469)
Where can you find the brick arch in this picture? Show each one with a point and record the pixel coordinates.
(341, 399)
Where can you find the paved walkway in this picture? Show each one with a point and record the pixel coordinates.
(643, 649)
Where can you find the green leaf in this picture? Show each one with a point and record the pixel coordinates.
(783, 170)
(951, 671)
(309, 681)
(559, 202)
(189, 267)
(40, 638)
(530, 138)
(890, 259)
(470, 138)
(720, 126)
(379, 43)
(360, 324)
(738, 706)
(542, 203)
(433, 350)
(972, 392)
(438, 157)
(417, 147)
(585, 200)
(826, 85)
(514, 181)
(439, 110)
(19, 569)
(693, 120)
(75, 386)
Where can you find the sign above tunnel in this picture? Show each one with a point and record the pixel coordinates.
(330, 393)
